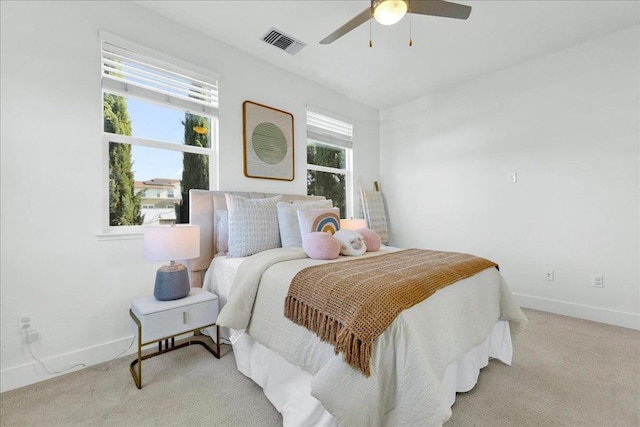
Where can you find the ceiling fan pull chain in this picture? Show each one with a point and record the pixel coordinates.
(410, 38)
(370, 19)
(389, 12)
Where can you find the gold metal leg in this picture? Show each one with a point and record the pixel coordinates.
(137, 376)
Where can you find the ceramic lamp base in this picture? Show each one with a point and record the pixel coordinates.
(172, 282)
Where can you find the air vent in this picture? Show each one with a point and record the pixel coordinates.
(283, 41)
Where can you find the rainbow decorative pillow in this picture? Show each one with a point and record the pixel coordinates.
(288, 219)
(318, 220)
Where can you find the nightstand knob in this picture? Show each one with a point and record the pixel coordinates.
(184, 317)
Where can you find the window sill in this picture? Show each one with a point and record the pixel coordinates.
(114, 235)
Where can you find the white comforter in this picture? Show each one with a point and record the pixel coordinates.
(409, 358)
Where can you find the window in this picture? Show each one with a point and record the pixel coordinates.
(159, 134)
(329, 160)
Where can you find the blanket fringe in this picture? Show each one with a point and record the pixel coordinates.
(349, 304)
(357, 353)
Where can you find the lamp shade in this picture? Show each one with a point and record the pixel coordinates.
(353, 224)
(171, 242)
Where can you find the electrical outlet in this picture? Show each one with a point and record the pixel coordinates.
(597, 281)
(31, 337)
(24, 323)
(548, 275)
(513, 177)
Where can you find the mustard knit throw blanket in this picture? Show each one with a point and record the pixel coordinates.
(349, 304)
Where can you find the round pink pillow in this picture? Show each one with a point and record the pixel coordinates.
(371, 239)
(320, 245)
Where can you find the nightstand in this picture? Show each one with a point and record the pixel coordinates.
(158, 321)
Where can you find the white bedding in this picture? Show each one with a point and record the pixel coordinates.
(220, 275)
(218, 280)
(288, 387)
(409, 359)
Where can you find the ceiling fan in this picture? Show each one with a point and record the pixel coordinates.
(388, 12)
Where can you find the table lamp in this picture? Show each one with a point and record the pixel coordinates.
(170, 243)
(353, 224)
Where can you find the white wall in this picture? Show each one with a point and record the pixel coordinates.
(77, 287)
(569, 125)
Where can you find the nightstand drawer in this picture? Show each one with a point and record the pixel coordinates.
(162, 319)
(171, 322)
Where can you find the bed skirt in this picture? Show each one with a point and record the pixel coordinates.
(288, 387)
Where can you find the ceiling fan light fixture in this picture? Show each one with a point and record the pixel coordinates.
(388, 12)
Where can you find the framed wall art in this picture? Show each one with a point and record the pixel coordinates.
(268, 142)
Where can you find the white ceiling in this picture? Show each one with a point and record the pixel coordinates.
(498, 34)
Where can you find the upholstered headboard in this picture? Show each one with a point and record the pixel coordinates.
(202, 211)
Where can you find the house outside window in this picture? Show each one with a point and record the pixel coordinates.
(159, 135)
(330, 160)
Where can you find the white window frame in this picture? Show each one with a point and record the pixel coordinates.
(174, 65)
(330, 130)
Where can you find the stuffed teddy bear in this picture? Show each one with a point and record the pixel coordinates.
(351, 243)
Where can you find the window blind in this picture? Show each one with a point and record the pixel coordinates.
(329, 130)
(127, 72)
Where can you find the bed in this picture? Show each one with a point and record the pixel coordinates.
(428, 353)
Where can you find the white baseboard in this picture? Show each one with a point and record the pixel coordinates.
(32, 372)
(596, 314)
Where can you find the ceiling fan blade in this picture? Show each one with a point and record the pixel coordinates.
(360, 19)
(440, 8)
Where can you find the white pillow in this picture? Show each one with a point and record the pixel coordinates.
(313, 220)
(222, 231)
(288, 220)
(253, 225)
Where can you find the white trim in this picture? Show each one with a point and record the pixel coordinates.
(349, 183)
(31, 372)
(596, 314)
(214, 170)
(152, 143)
(326, 169)
(118, 235)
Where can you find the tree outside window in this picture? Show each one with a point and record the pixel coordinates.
(327, 173)
(329, 159)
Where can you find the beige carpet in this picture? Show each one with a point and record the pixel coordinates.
(566, 372)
